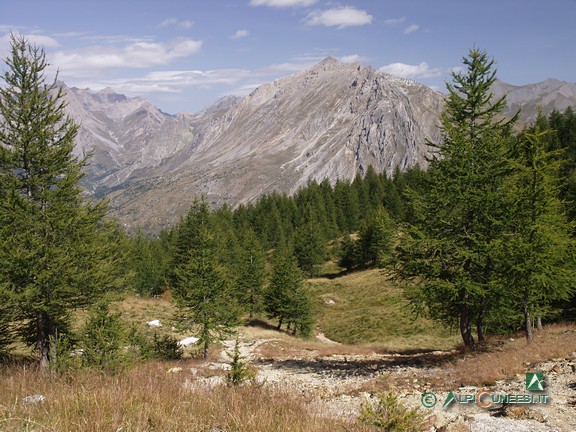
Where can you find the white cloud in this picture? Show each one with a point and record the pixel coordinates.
(282, 3)
(136, 55)
(37, 39)
(243, 90)
(174, 22)
(354, 58)
(240, 34)
(288, 68)
(411, 28)
(169, 81)
(394, 21)
(423, 70)
(341, 17)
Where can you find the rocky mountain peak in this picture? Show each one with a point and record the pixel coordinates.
(331, 121)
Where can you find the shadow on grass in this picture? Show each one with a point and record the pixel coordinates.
(261, 324)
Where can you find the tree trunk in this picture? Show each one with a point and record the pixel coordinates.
(205, 350)
(43, 340)
(539, 323)
(466, 328)
(480, 324)
(527, 319)
(279, 324)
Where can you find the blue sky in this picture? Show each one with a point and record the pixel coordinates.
(185, 54)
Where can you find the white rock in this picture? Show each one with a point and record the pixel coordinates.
(189, 341)
(34, 399)
(154, 323)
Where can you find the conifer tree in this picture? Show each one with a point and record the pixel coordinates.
(538, 257)
(56, 250)
(285, 298)
(203, 293)
(102, 338)
(187, 232)
(149, 262)
(6, 336)
(462, 211)
(309, 243)
(250, 273)
(375, 240)
(348, 257)
(347, 207)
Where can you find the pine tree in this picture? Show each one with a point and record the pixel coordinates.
(250, 273)
(348, 257)
(309, 243)
(186, 233)
(203, 294)
(375, 241)
(149, 260)
(6, 336)
(462, 211)
(538, 256)
(347, 207)
(284, 298)
(102, 338)
(56, 251)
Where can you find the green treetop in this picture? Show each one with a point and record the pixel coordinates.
(55, 249)
(461, 212)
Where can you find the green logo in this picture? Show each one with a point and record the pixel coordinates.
(428, 399)
(534, 381)
(449, 399)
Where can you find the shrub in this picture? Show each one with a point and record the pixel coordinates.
(165, 347)
(389, 414)
(102, 339)
(239, 371)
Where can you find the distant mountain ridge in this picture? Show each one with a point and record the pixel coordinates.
(331, 121)
(547, 95)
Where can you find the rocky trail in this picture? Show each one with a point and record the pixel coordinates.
(337, 384)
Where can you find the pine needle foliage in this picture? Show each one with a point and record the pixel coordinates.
(461, 213)
(56, 250)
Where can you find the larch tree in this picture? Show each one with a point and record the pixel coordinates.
(285, 298)
(462, 210)
(250, 273)
(56, 249)
(203, 293)
(538, 256)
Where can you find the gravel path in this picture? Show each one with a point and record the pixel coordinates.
(335, 385)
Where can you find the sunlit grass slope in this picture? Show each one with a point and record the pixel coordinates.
(367, 307)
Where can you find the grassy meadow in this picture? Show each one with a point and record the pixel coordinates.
(365, 312)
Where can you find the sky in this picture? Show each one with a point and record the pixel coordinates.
(183, 55)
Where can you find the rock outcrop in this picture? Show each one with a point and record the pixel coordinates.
(329, 122)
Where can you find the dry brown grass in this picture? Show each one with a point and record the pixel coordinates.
(147, 398)
(504, 358)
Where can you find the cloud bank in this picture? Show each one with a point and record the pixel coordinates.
(339, 17)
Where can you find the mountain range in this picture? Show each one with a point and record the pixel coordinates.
(331, 121)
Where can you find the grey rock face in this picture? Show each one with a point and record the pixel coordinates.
(547, 96)
(329, 122)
